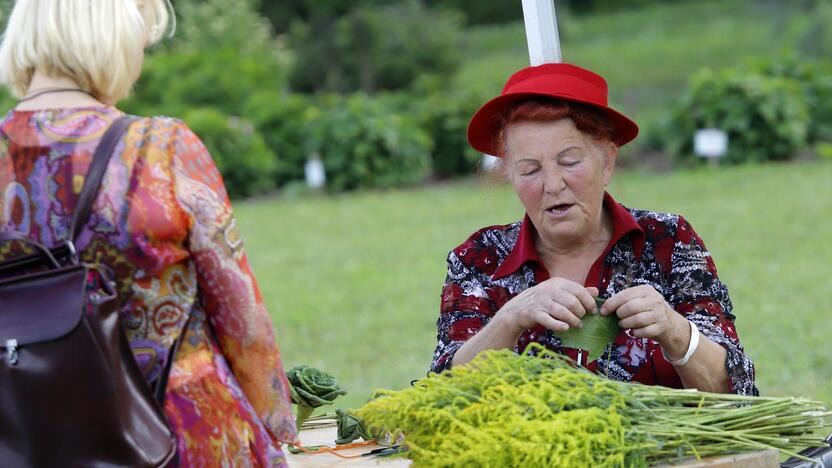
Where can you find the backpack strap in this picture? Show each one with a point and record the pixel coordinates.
(161, 384)
(92, 182)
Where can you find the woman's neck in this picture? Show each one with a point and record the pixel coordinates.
(55, 100)
(555, 251)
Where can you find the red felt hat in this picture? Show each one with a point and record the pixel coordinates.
(560, 81)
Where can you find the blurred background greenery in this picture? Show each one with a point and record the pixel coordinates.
(382, 91)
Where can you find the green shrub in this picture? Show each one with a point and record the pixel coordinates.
(374, 47)
(766, 118)
(283, 13)
(817, 40)
(607, 6)
(223, 52)
(174, 81)
(480, 12)
(283, 120)
(238, 149)
(6, 101)
(5, 10)
(815, 79)
(365, 144)
(217, 24)
(444, 114)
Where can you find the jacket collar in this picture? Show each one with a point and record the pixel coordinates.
(623, 224)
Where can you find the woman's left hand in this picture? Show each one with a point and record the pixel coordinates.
(644, 311)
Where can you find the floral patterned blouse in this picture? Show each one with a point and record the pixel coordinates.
(163, 223)
(658, 249)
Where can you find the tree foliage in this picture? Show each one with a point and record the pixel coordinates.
(374, 47)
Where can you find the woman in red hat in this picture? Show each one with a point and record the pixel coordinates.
(508, 286)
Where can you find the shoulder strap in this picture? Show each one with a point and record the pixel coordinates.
(161, 383)
(92, 181)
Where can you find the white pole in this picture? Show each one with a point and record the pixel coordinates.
(541, 31)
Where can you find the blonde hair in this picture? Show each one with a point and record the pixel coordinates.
(98, 44)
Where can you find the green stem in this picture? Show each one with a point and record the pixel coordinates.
(318, 417)
(301, 414)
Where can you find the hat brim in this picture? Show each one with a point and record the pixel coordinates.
(484, 126)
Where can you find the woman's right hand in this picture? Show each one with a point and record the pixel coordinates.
(557, 304)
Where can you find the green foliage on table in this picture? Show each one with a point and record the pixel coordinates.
(765, 117)
(502, 409)
(374, 47)
(350, 428)
(241, 155)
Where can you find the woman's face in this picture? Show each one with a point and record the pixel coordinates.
(559, 173)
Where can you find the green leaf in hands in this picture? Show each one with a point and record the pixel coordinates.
(597, 332)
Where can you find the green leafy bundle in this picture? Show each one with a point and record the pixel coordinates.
(507, 410)
(310, 389)
(350, 428)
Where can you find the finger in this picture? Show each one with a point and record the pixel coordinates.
(622, 297)
(543, 318)
(582, 294)
(586, 300)
(640, 320)
(569, 301)
(559, 312)
(652, 331)
(593, 291)
(634, 306)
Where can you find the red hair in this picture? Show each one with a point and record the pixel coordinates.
(540, 109)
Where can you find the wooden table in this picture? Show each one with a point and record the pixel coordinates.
(327, 435)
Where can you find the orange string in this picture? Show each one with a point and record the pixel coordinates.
(334, 451)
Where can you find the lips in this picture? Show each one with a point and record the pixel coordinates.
(558, 208)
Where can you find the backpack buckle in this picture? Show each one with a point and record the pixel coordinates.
(12, 355)
(73, 253)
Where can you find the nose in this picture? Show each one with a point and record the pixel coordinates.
(553, 183)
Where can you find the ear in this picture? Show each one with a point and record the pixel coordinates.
(610, 152)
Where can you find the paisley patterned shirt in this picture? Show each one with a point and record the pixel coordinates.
(657, 249)
(163, 224)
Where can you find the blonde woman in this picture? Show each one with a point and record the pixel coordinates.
(162, 222)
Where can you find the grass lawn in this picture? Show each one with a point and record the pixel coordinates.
(353, 282)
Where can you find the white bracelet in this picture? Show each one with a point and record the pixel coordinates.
(694, 343)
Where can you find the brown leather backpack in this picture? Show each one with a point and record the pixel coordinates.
(71, 393)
